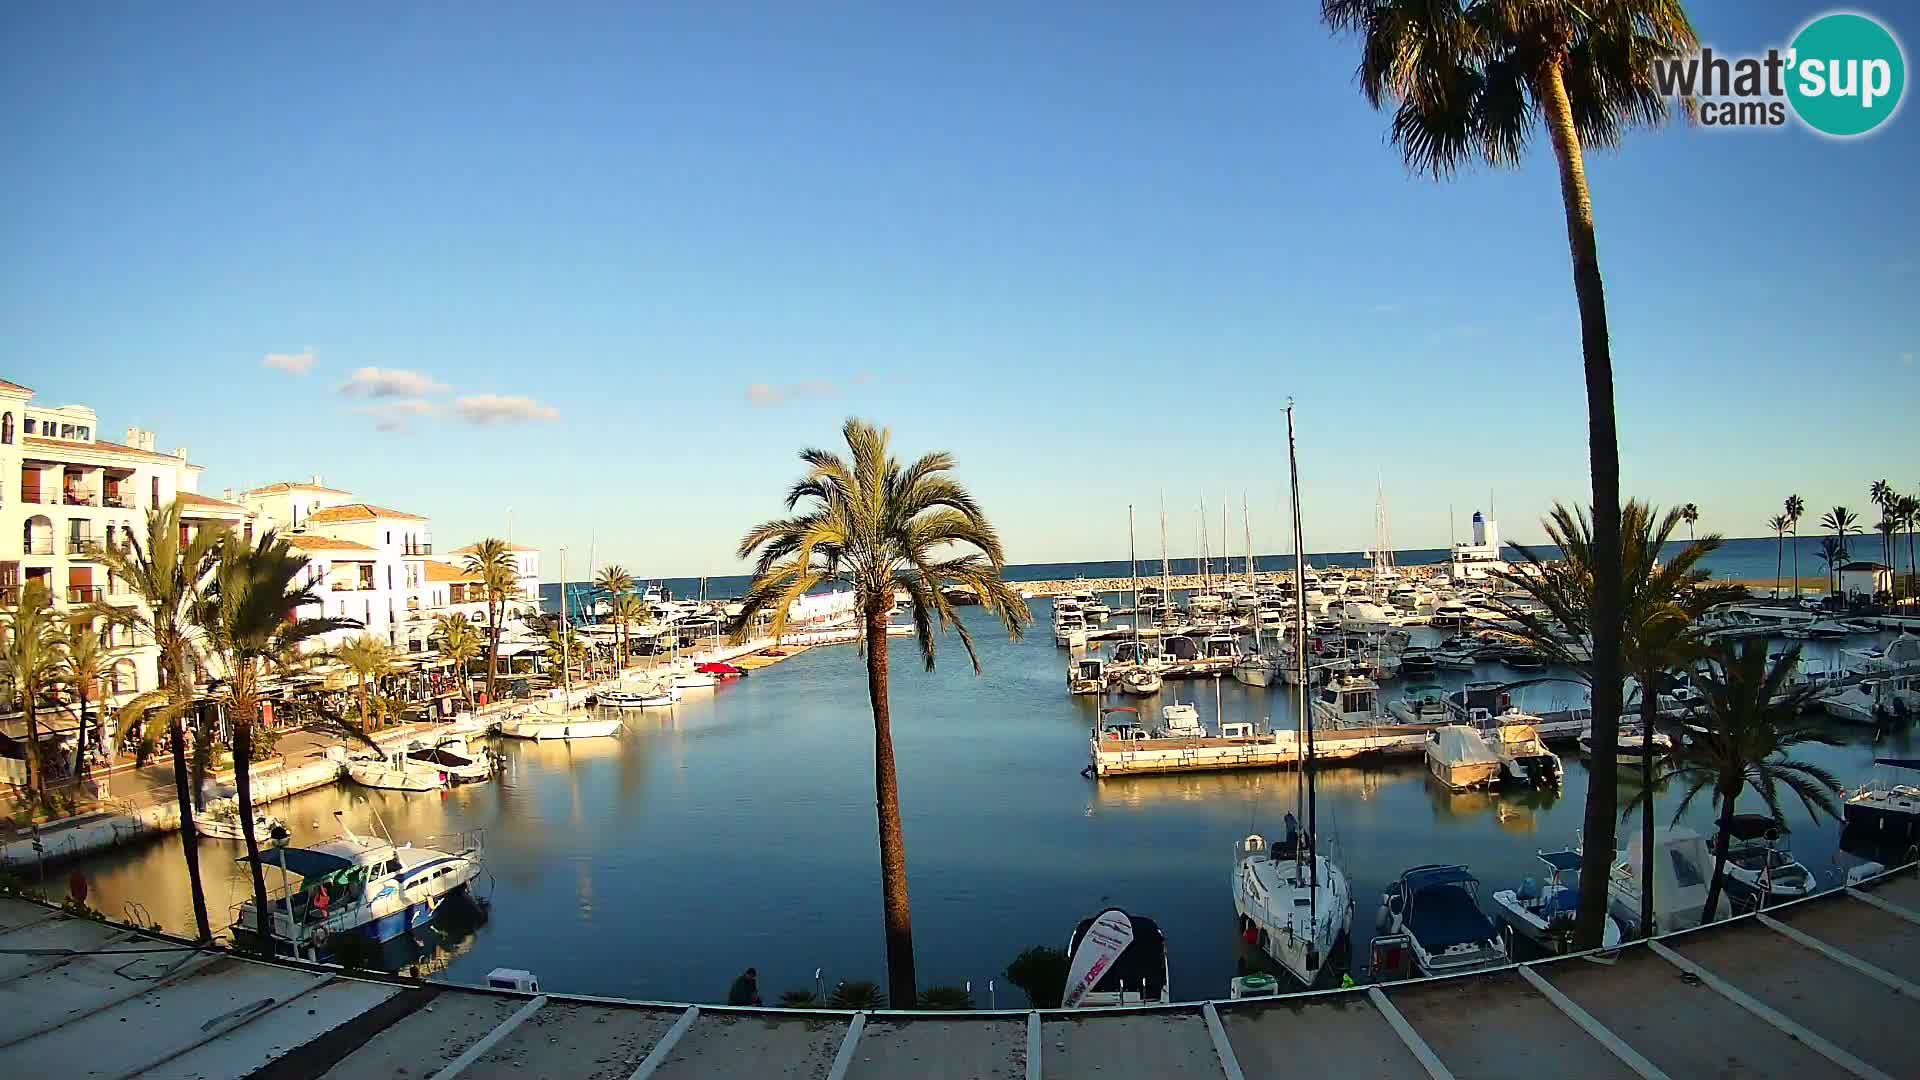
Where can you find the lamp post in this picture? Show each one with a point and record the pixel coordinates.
(278, 834)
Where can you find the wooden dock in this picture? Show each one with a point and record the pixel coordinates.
(1282, 750)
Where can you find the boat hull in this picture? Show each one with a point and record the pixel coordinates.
(547, 730)
(382, 778)
(1461, 777)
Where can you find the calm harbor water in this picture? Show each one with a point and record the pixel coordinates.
(738, 829)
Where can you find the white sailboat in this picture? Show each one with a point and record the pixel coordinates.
(568, 721)
(1293, 901)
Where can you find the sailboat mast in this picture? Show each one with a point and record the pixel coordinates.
(1306, 718)
(1166, 591)
(1133, 568)
(1246, 522)
(566, 669)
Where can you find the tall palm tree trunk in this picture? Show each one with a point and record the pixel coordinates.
(1649, 712)
(1729, 792)
(189, 832)
(1796, 562)
(243, 781)
(493, 652)
(1604, 461)
(36, 777)
(1779, 556)
(893, 847)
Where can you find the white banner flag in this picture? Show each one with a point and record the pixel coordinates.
(1106, 938)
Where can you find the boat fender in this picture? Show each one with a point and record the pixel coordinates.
(320, 936)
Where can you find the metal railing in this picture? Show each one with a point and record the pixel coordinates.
(39, 547)
(82, 545)
(85, 594)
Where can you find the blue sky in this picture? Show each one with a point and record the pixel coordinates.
(1090, 249)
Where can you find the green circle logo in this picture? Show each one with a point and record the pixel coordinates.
(1847, 74)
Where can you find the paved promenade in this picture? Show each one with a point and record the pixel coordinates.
(1818, 988)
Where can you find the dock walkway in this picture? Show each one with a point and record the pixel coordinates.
(1819, 987)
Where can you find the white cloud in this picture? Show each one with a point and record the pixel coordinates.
(502, 409)
(292, 363)
(763, 395)
(373, 382)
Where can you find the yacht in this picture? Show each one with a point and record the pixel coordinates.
(1219, 647)
(1254, 669)
(452, 755)
(1459, 758)
(1348, 700)
(1270, 619)
(1135, 975)
(1141, 681)
(1294, 904)
(1428, 709)
(1873, 701)
(1418, 663)
(1681, 869)
(1761, 871)
(1451, 615)
(1456, 654)
(1087, 675)
(540, 724)
(1068, 624)
(1887, 807)
(1180, 720)
(686, 675)
(393, 772)
(1544, 914)
(220, 820)
(1435, 911)
(356, 887)
(1632, 746)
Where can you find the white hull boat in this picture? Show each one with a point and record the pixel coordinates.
(395, 772)
(1632, 746)
(567, 726)
(1142, 682)
(1433, 912)
(1255, 670)
(1873, 701)
(1180, 720)
(455, 757)
(1299, 909)
(220, 820)
(1459, 758)
(1682, 867)
(1544, 914)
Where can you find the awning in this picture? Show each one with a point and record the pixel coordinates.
(519, 648)
(303, 861)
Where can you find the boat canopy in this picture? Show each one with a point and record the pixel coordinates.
(1441, 909)
(1461, 745)
(306, 862)
(1141, 966)
(1756, 827)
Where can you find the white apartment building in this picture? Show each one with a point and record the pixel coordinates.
(66, 493)
(367, 562)
(465, 594)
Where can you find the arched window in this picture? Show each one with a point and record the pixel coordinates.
(6, 428)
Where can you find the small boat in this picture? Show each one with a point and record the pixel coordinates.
(1544, 914)
(1632, 745)
(1416, 663)
(694, 680)
(1180, 720)
(1350, 699)
(542, 726)
(355, 887)
(1525, 760)
(1886, 808)
(721, 671)
(1457, 654)
(1873, 701)
(623, 699)
(1141, 681)
(220, 820)
(1428, 708)
(452, 755)
(1435, 911)
(1761, 871)
(1682, 867)
(1524, 660)
(1087, 675)
(1133, 968)
(394, 772)
(1459, 757)
(1254, 669)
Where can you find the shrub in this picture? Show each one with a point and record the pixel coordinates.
(858, 994)
(1041, 974)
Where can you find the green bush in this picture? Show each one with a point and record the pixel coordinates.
(799, 999)
(946, 997)
(1041, 974)
(858, 994)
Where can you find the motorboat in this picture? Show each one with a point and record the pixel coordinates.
(1873, 701)
(1255, 669)
(1137, 973)
(1180, 720)
(1524, 660)
(1451, 615)
(624, 699)
(540, 725)
(1418, 663)
(394, 771)
(1087, 675)
(455, 757)
(1141, 681)
(1219, 647)
(721, 670)
(1761, 871)
(1459, 757)
(1456, 654)
(1294, 904)
(1886, 809)
(694, 680)
(1348, 700)
(1544, 913)
(1824, 630)
(220, 820)
(1121, 724)
(1427, 708)
(1681, 869)
(1068, 627)
(356, 887)
(1632, 745)
(1435, 911)
(1525, 760)
(1900, 656)
(1096, 612)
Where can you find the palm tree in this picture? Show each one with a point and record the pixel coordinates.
(1778, 523)
(1661, 602)
(1888, 528)
(459, 642)
(1909, 511)
(614, 583)
(1832, 555)
(1839, 521)
(85, 670)
(882, 526)
(1795, 507)
(1690, 514)
(1882, 495)
(249, 614)
(492, 561)
(370, 660)
(166, 574)
(628, 610)
(1470, 80)
(32, 655)
(1753, 718)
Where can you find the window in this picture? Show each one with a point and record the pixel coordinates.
(30, 425)
(6, 428)
(389, 536)
(156, 490)
(83, 432)
(66, 431)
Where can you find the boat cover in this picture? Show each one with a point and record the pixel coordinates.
(1463, 746)
(303, 861)
(1142, 967)
(1441, 912)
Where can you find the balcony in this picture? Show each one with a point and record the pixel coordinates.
(85, 594)
(9, 596)
(417, 549)
(118, 500)
(42, 546)
(83, 545)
